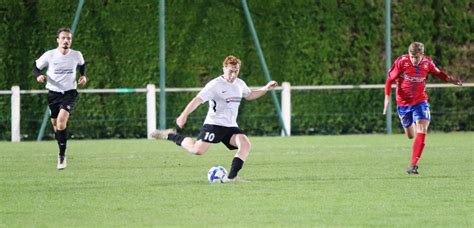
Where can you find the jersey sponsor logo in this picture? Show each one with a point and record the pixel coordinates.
(233, 99)
(412, 79)
(57, 63)
(63, 71)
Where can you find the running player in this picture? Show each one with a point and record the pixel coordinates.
(60, 80)
(410, 71)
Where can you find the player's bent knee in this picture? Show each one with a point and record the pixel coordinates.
(242, 141)
(245, 148)
(61, 126)
(199, 151)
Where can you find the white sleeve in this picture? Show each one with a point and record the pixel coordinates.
(207, 93)
(245, 90)
(43, 61)
(81, 59)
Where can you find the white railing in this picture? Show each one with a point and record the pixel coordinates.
(151, 91)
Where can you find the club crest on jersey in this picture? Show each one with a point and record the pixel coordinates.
(425, 65)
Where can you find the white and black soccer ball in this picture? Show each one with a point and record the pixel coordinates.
(216, 174)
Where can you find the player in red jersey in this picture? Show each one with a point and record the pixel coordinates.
(410, 71)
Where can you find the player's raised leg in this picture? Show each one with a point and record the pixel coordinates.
(162, 134)
(198, 147)
(405, 113)
(410, 131)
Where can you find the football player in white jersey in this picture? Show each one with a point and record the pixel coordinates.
(224, 95)
(60, 80)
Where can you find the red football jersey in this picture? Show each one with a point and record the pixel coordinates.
(411, 79)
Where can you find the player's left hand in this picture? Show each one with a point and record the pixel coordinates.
(181, 120)
(82, 80)
(456, 81)
(271, 85)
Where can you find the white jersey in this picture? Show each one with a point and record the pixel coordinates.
(224, 100)
(61, 73)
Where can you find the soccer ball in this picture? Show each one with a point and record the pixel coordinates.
(216, 174)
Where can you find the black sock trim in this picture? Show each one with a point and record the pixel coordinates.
(61, 137)
(237, 165)
(177, 138)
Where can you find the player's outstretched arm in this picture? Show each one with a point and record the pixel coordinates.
(388, 90)
(192, 105)
(444, 76)
(260, 92)
(455, 81)
(386, 104)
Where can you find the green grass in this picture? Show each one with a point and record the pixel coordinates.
(356, 180)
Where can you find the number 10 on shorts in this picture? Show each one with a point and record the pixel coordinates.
(209, 136)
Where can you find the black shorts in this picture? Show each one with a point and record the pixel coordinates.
(58, 101)
(216, 134)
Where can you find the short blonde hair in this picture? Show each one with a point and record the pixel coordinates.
(416, 48)
(232, 60)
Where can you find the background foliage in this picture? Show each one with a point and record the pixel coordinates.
(305, 43)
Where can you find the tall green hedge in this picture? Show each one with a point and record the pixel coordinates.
(305, 43)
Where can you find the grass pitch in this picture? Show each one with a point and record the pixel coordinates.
(356, 180)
